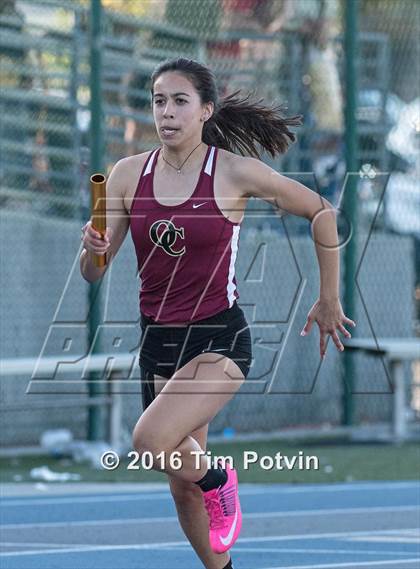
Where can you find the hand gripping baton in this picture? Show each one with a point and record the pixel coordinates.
(98, 206)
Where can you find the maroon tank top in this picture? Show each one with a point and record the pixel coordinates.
(186, 253)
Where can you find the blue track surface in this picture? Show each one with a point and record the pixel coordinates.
(365, 524)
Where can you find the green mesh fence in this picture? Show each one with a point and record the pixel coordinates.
(283, 51)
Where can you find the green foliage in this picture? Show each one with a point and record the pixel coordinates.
(134, 7)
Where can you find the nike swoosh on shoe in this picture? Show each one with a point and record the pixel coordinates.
(228, 538)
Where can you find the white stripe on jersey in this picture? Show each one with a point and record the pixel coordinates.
(234, 251)
(209, 165)
(148, 168)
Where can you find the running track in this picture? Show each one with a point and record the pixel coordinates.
(351, 526)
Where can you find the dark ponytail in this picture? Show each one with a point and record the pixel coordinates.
(237, 123)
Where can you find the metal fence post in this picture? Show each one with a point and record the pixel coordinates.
(350, 194)
(95, 417)
(115, 412)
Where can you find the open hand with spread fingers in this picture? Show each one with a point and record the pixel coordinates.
(329, 316)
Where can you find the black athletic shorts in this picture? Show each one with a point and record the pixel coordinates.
(164, 348)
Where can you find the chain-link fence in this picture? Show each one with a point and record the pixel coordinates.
(283, 50)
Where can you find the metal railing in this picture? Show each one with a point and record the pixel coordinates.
(47, 366)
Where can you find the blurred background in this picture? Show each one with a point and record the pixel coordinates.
(292, 51)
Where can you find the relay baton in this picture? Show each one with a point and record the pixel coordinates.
(98, 206)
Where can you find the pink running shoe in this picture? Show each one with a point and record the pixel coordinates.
(224, 510)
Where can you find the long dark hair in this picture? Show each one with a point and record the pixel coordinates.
(237, 122)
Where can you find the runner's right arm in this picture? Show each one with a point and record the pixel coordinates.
(117, 220)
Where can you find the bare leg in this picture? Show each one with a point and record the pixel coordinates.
(193, 516)
(187, 402)
(189, 504)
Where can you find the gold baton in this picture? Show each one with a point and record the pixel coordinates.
(98, 206)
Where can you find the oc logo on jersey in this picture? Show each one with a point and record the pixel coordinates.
(167, 237)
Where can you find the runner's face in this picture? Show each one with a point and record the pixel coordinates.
(176, 104)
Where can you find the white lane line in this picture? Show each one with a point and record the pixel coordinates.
(256, 515)
(351, 565)
(333, 551)
(177, 544)
(390, 539)
(35, 544)
(83, 523)
(335, 487)
(247, 491)
(84, 500)
(84, 548)
(345, 535)
(303, 550)
(327, 511)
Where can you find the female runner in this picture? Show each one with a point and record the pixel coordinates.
(184, 203)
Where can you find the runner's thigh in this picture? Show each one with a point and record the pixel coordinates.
(185, 405)
(178, 486)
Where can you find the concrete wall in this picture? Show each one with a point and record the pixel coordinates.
(44, 303)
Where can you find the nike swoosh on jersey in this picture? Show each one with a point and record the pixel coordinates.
(228, 538)
(198, 205)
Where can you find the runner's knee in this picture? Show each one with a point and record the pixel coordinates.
(184, 492)
(145, 438)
